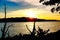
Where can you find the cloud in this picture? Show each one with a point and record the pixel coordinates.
(12, 6)
(33, 2)
(19, 6)
(29, 4)
(22, 13)
(15, 0)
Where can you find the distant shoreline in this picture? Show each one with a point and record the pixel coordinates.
(32, 21)
(25, 19)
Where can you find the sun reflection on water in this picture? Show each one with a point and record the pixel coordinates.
(20, 27)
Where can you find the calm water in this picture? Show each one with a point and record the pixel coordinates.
(20, 27)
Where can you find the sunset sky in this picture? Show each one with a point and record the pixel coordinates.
(28, 8)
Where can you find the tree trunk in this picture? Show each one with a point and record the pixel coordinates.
(3, 31)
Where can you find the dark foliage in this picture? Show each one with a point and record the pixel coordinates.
(41, 1)
(52, 2)
(40, 35)
(52, 10)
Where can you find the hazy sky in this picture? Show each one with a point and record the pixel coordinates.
(27, 8)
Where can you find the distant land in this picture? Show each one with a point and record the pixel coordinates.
(24, 19)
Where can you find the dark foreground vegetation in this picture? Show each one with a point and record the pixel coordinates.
(40, 36)
(35, 35)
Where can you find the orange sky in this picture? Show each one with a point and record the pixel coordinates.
(26, 8)
(33, 12)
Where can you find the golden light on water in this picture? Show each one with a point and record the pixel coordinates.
(20, 27)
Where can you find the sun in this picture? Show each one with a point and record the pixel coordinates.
(30, 14)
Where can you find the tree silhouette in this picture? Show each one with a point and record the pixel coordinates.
(5, 29)
(40, 32)
(33, 30)
(52, 2)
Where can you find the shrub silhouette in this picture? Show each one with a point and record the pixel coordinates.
(33, 30)
(5, 31)
(41, 35)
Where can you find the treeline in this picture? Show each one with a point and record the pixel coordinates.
(23, 19)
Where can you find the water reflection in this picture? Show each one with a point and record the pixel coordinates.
(20, 27)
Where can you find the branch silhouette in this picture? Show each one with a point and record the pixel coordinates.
(52, 2)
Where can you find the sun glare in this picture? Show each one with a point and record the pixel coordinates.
(30, 14)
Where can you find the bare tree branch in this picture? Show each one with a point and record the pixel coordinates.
(28, 28)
